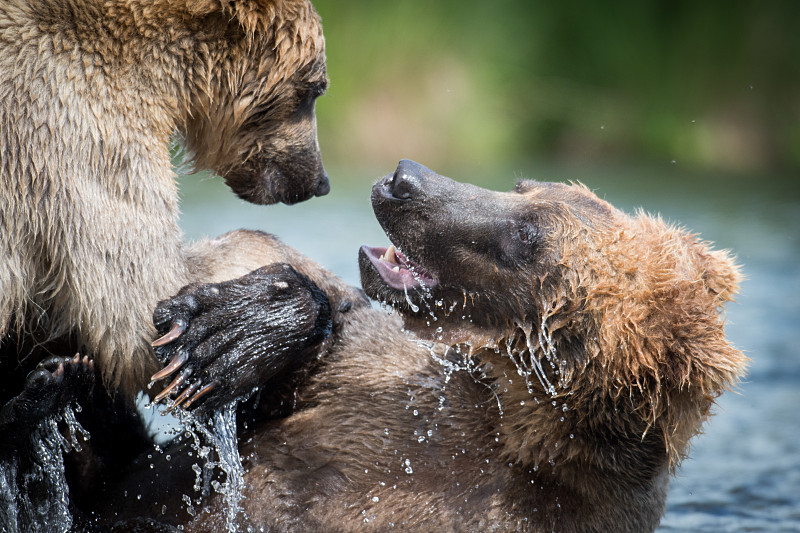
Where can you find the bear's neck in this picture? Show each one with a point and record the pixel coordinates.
(555, 422)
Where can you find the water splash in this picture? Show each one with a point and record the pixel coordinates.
(532, 349)
(421, 289)
(34, 491)
(229, 461)
(74, 428)
(218, 432)
(544, 345)
(539, 350)
(413, 307)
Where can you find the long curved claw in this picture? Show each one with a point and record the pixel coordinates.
(176, 331)
(173, 365)
(177, 382)
(185, 394)
(199, 394)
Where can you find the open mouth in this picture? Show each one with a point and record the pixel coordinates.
(397, 270)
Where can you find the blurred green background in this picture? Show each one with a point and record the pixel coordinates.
(487, 85)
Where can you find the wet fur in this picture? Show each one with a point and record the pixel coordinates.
(389, 433)
(90, 94)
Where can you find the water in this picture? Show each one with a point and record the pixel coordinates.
(744, 472)
(43, 477)
(224, 423)
(218, 432)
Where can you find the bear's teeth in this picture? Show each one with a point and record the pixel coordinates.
(396, 269)
(390, 256)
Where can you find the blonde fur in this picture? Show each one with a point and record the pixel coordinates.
(90, 94)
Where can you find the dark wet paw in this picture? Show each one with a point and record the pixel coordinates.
(233, 336)
(49, 388)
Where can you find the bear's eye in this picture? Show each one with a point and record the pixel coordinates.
(307, 95)
(314, 90)
(519, 244)
(527, 234)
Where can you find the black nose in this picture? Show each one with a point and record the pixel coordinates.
(408, 179)
(323, 185)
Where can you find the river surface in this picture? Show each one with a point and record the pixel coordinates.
(744, 471)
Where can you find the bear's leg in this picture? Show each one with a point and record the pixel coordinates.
(48, 389)
(32, 482)
(238, 252)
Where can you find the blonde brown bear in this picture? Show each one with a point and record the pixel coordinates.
(91, 92)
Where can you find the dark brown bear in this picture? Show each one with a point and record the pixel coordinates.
(568, 353)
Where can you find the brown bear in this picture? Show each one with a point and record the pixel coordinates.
(91, 92)
(566, 354)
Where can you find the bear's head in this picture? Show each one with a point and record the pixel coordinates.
(601, 332)
(256, 70)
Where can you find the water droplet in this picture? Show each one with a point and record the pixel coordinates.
(413, 307)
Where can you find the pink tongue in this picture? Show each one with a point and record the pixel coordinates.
(396, 276)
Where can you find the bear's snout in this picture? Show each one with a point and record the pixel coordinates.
(323, 184)
(408, 182)
(404, 184)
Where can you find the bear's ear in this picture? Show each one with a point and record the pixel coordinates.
(253, 15)
(721, 274)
